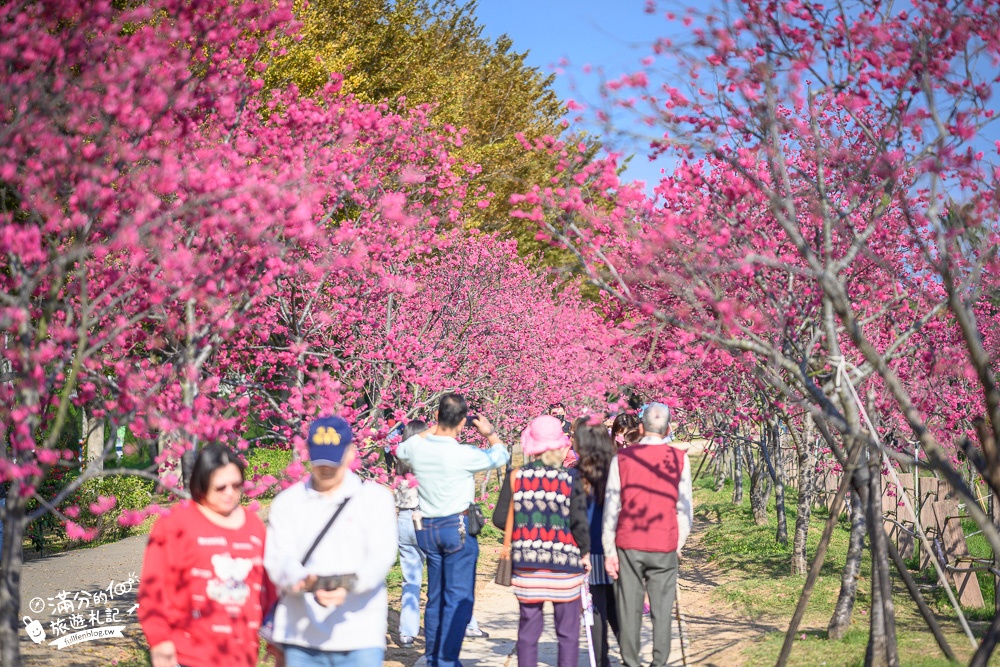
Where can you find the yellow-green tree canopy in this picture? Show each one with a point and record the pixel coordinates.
(412, 52)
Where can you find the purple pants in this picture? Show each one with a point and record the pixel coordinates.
(567, 630)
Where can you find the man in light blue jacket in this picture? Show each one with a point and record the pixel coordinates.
(445, 473)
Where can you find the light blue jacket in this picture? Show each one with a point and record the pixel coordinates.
(444, 470)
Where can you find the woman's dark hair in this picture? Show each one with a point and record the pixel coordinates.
(412, 428)
(211, 458)
(626, 427)
(594, 447)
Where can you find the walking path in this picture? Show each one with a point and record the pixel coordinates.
(95, 581)
(497, 612)
(91, 581)
(715, 633)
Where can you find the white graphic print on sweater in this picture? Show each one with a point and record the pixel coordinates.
(229, 586)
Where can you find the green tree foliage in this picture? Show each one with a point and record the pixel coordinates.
(416, 52)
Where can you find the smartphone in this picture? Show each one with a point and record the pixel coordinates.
(333, 582)
(469, 419)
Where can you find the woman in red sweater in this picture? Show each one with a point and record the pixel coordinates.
(203, 588)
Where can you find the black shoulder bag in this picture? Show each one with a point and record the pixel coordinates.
(326, 528)
(476, 520)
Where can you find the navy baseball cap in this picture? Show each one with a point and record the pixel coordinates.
(329, 438)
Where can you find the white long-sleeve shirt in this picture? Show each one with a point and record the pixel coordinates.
(613, 501)
(362, 541)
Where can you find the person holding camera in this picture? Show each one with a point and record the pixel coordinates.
(331, 540)
(448, 524)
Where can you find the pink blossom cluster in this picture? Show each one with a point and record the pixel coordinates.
(203, 260)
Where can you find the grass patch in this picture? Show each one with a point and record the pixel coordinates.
(738, 545)
(980, 548)
(815, 650)
(758, 580)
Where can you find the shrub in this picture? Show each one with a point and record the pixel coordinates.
(130, 493)
(263, 462)
(49, 525)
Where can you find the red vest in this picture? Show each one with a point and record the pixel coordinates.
(650, 476)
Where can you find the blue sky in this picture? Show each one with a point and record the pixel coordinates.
(611, 34)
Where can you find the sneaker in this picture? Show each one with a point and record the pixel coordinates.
(477, 633)
(406, 642)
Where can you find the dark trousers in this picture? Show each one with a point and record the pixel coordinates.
(567, 630)
(642, 572)
(605, 614)
(451, 586)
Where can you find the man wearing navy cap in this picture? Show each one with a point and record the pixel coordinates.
(334, 608)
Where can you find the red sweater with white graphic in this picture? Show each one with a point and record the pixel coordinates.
(204, 588)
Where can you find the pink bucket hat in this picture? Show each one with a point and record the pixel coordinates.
(543, 433)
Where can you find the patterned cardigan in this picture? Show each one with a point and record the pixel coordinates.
(551, 530)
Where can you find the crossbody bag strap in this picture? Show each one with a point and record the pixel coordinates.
(508, 530)
(325, 529)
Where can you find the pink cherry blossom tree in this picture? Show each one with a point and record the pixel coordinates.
(829, 214)
(470, 317)
(191, 257)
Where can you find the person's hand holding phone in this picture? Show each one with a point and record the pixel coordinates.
(481, 424)
(333, 598)
(484, 427)
(305, 585)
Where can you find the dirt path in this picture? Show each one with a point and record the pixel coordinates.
(717, 632)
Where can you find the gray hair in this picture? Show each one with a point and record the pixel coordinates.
(656, 419)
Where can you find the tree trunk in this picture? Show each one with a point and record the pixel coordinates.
(760, 491)
(759, 494)
(92, 433)
(875, 651)
(721, 462)
(841, 620)
(721, 466)
(982, 656)
(800, 562)
(882, 640)
(737, 475)
(187, 466)
(989, 643)
(779, 485)
(995, 513)
(11, 559)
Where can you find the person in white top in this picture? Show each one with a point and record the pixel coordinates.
(648, 512)
(334, 608)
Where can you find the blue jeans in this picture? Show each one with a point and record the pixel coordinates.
(411, 561)
(451, 586)
(298, 656)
